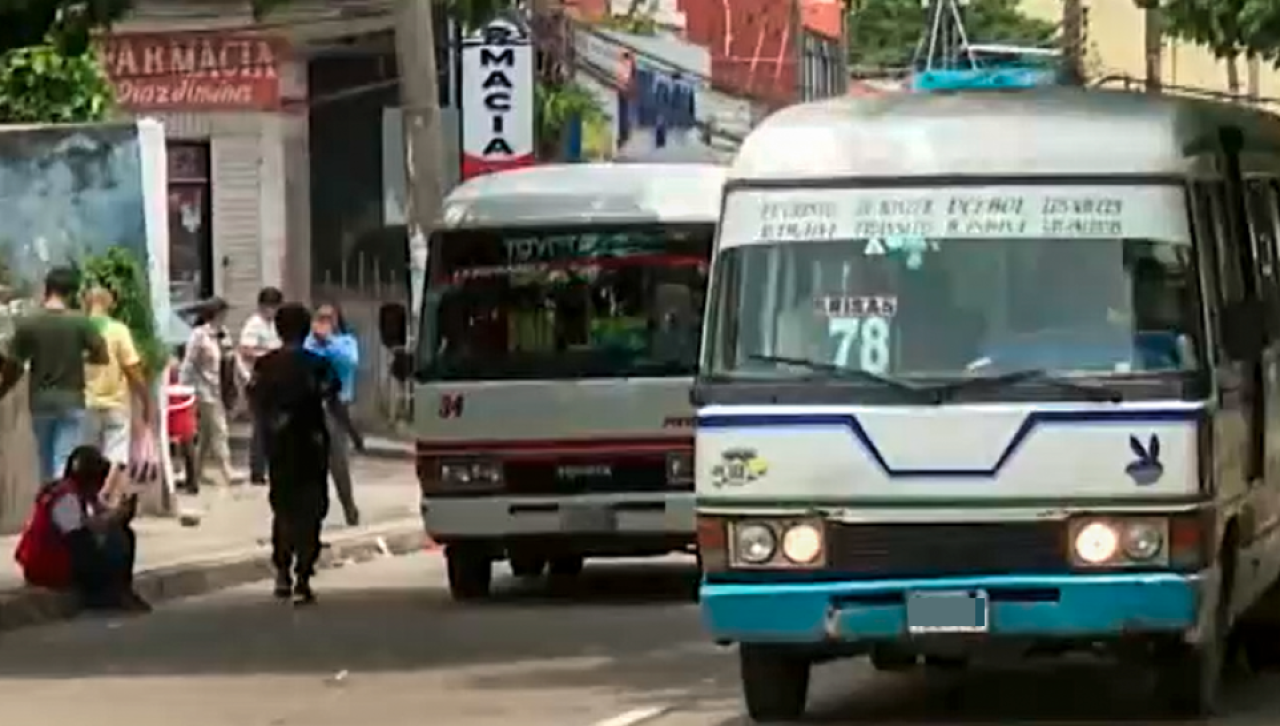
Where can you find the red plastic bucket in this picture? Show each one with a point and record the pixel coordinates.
(181, 413)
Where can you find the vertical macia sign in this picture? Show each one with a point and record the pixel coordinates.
(497, 99)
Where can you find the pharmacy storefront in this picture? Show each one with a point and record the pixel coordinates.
(224, 101)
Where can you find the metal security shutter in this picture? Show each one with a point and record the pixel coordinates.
(237, 222)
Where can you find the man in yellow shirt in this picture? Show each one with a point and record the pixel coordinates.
(112, 390)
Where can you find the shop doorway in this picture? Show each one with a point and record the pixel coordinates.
(191, 269)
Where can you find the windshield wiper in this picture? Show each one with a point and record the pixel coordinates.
(855, 374)
(1093, 391)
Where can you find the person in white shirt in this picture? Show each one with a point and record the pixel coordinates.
(257, 338)
(202, 369)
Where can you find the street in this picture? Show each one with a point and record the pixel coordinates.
(386, 647)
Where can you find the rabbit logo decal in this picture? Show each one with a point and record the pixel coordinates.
(1146, 468)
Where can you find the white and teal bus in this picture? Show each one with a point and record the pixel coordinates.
(993, 374)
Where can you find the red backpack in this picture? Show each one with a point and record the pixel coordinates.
(42, 552)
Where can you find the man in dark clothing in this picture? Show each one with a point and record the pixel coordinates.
(55, 343)
(292, 391)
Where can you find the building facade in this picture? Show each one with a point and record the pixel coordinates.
(224, 94)
(779, 51)
(234, 97)
(1116, 32)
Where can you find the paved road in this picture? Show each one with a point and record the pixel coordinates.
(385, 647)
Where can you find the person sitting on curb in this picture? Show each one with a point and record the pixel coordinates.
(74, 542)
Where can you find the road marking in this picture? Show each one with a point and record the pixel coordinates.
(634, 716)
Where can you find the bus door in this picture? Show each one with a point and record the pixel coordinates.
(1264, 220)
(1263, 196)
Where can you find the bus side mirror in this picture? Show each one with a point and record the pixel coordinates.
(401, 365)
(393, 325)
(1244, 329)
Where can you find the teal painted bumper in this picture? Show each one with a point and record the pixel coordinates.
(1066, 606)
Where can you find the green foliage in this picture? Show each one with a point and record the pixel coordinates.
(39, 84)
(66, 24)
(70, 24)
(121, 272)
(1228, 28)
(555, 107)
(885, 33)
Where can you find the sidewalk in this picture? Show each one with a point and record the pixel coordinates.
(231, 545)
(377, 447)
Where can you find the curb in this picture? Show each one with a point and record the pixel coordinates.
(31, 606)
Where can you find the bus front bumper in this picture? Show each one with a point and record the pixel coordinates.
(596, 515)
(1059, 607)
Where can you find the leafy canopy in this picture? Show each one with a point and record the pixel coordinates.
(885, 33)
(48, 70)
(1228, 28)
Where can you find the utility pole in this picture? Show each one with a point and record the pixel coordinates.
(1073, 44)
(1153, 44)
(420, 106)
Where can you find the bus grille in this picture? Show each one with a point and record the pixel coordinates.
(628, 474)
(940, 550)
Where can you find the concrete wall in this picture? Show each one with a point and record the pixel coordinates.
(18, 482)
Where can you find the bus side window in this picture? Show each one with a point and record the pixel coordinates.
(1263, 221)
(1210, 228)
(1271, 279)
(1230, 274)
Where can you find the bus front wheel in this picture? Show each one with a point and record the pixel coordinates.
(1189, 675)
(470, 571)
(529, 566)
(566, 566)
(775, 683)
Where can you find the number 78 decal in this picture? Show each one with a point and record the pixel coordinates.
(866, 338)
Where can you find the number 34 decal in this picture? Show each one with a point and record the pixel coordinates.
(861, 342)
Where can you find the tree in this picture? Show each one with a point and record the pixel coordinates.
(1228, 29)
(49, 71)
(885, 33)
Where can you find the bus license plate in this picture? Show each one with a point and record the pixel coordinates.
(947, 611)
(593, 518)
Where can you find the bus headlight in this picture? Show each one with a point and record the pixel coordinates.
(679, 468)
(1120, 541)
(1143, 541)
(470, 473)
(802, 543)
(1096, 543)
(754, 544)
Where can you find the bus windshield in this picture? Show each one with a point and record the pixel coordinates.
(948, 308)
(582, 302)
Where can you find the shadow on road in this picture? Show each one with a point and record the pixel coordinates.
(600, 584)
(1051, 692)
(630, 628)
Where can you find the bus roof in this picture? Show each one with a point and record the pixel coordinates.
(1038, 132)
(580, 194)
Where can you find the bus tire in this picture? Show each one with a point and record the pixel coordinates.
(528, 566)
(1189, 676)
(775, 684)
(889, 658)
(946, 662)
(470, 572)
(567, 566)
(1258, 631)
(1261, 643)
